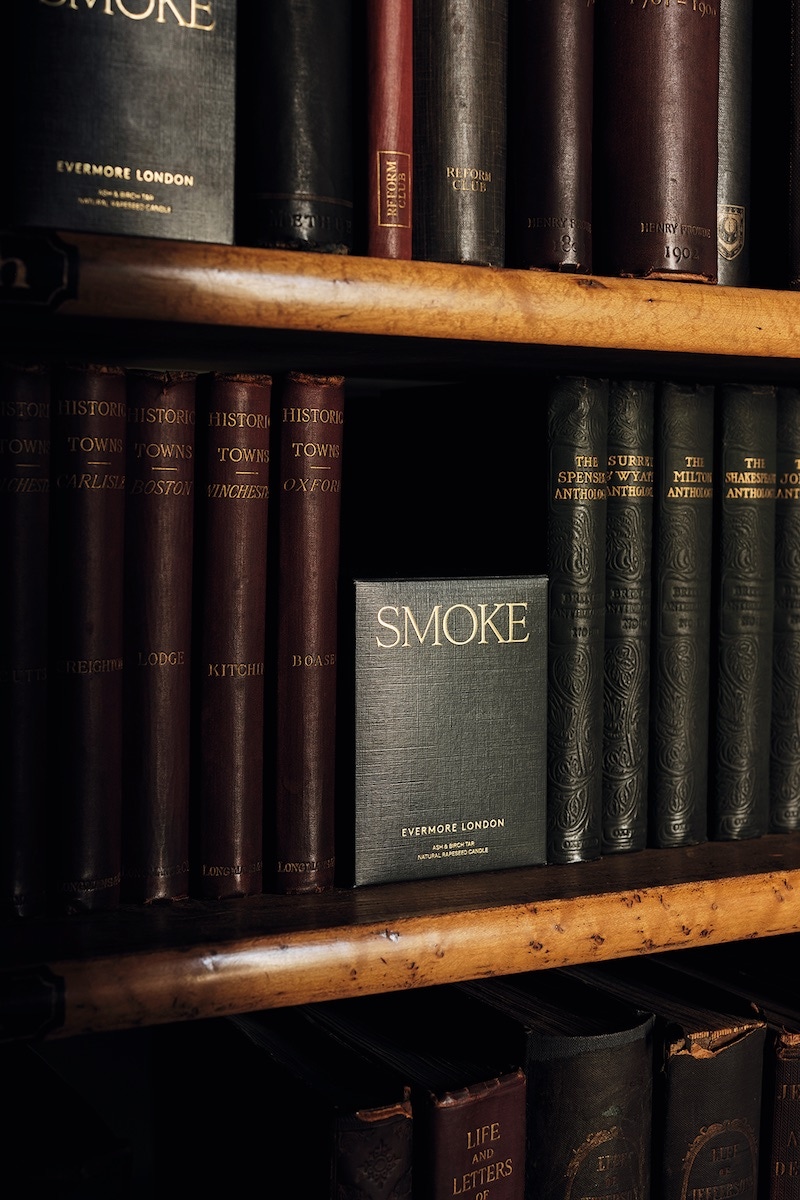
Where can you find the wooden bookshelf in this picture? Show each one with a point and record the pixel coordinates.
(144, 301)
(150, 965)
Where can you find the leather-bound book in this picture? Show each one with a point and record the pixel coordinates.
(626, 662)
(784, 772)
(357, 1114)
(550, 105)
(295, 144)
(141, 141)
(708, 1065)
(655, 140)
(577, 433)
(390, 127)
(734, 142)
(468, 1092)
(450, 719)
(309, 435)
(681, 620)
(589, 1070)
(743, 610)
(159, 523)
(460, 124)
(24, 552)
(86, 619)
(229, 633)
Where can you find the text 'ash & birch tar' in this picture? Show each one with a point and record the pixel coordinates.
(450, 726)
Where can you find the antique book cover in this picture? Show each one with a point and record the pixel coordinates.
(589, 1069)
(390, 127)
(87, 636)
(460, 128)
(303, 632)
(468, 1093)
(681, 624)
(784, 774)
(707, 1080)
(734, 142)
(626, 658)
(25, 554)
(159, 528)
(743, 610)
(655, 145)
(124, 118)
(295, 143)
(450, 726)
(229, 633)
(577, 441)
(550, 106)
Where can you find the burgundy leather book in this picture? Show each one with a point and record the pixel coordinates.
(550, 73)
(233, 435)
(390, 110)
(460, 124)
(86, 590)
(655, 140)
(309, 434)
(24, 552)
(159, 520)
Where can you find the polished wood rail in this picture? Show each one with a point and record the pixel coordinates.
(132, 279)
(144, 966)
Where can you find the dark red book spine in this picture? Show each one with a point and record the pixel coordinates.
(87, 524)
(390, 109)
(230, 609)
(159, 519)
(24, 525)
(308, 511)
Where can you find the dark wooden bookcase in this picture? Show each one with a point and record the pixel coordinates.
(211, 306)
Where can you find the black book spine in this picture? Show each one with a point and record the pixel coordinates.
(296, 179)
(681, 627)
(744, 589)
(550, 76)
(785, 746)
(626, 666)
(734, 142)
(460, 124)
(24, 553)
(576, 530)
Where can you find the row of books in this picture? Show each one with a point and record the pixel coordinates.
(665, 1077)
(672, 525)
(144, 660)
(493, 132)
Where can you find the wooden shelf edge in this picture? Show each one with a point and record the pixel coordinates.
(203, 284)
(280, 951)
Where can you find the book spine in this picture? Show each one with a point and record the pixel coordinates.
(86, 588)
(308, 520)
(779, 1161)
(577, 423)
(24, 553)
(296, 183)
(744, 589)
(373, 1154)
(681, 625)
(655, 151)
(159, 522)
(734, 142)
(626, 664)
(793, 203)
(460, 131)
(550, 76)
(473, 1140)
(233, 468)
(390, 129)
(784, 786)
